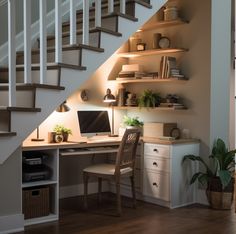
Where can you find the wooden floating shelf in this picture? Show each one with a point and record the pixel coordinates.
(163, 24)
(151, 52)
(149, 109)
(150, 80)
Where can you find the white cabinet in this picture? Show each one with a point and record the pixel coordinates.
(165, 178)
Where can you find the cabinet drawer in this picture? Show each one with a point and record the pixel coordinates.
(157, 150)
(156, 185)
(157, 164)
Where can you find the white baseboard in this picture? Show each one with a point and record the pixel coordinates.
(201, 197)
(78, 190)
(11, 223)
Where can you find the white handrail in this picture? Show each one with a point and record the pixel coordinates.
(98, 13)
(110, 6)
(43, 40)
(58, 32)
(123, 6)
(12, 52)
(73, 23)
(85, 22)
(27, 41)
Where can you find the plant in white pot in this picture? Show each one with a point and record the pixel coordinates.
(129, 122)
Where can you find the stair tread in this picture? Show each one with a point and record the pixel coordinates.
(22, 86)
(20, 109)
(91, 30)
(50, 66)
(104, 16)
(65, 48)
(117, 3)
(6, 134)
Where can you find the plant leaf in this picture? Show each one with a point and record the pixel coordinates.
(225, 177)
(203, 179)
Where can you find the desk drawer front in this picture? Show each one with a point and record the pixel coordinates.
(157, 185)
(157, 150)
(157, 164)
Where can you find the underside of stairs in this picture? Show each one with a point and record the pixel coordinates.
(35, 101)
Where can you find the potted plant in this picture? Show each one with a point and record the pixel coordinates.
(61, 130)
(149, 99)
(129, 122)
(219, 177)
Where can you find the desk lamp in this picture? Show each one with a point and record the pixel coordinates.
(62, 108)
(110, 98)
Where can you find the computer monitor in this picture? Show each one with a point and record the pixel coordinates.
(93, 123)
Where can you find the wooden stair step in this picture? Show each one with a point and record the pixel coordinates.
(65, 48)
(105, 16)
(7, 134)
(21, 86)
(117, 3)
(50, 66)
(92, 30)
(19, 109)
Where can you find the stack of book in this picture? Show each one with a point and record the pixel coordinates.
(129, 75)
(169, 68)
(173, 105)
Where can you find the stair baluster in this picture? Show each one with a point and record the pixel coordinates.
(43, 40)
(73, 26)
(110, 6)
(58, 32)
(12, 53)
(122, 6)
(85, 22)
(98, 13)
(27, 42)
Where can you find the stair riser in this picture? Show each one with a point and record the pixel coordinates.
(109, 23)
(24, 98)
(93, 40)
(5, 121)
(52, 77)
(68, 56)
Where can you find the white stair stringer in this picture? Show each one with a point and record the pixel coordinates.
(24, 123)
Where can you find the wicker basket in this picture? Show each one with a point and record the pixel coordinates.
(36, 202)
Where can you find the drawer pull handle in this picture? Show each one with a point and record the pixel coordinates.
(155, 164)
(156, 150)
(155, 184)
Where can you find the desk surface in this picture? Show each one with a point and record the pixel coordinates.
(98, 141)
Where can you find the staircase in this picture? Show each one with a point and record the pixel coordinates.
(37, 81)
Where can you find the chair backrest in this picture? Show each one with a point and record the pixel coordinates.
(127, 150)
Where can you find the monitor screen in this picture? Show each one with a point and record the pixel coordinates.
(94, 123)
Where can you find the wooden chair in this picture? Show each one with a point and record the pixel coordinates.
(124, 167)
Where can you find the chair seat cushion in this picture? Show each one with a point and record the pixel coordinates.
(106, 169)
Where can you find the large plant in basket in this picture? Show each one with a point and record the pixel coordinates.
(218, 175)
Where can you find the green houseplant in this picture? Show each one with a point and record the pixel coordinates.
(217, 175)
(130, 122)
(149, 99)
(61, 130)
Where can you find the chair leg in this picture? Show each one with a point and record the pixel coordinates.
(133, 190)
(99, 190)
(85, 175)
(118, 199)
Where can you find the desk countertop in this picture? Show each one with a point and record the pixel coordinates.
(31, 145)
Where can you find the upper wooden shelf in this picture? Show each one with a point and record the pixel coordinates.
(149, 81)
(149, 109)
(151, 52)
(163, 24)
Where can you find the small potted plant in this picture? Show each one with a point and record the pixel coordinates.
(149, 99)
(219, 179)
(61, 130)
(129, 122)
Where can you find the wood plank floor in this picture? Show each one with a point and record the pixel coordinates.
(146, 219)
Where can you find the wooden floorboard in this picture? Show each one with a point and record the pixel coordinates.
(146, 219)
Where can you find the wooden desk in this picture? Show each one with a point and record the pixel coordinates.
(97, 145)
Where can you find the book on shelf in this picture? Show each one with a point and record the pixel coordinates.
(172, 105)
